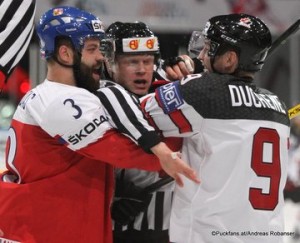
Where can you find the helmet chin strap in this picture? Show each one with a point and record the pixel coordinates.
(60, 63)
(83, 81)
(75, 66)
(212, 60)
(235, 72)
(76, 70)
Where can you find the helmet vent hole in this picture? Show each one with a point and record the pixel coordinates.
(66, 19)
(54, 22)
(80, 19)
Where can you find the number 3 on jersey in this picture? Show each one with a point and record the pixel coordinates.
(270, 169)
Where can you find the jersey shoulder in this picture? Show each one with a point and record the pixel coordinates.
(53, 105)
(220, 96)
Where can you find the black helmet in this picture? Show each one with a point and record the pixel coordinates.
(130, 38)
(245, 34)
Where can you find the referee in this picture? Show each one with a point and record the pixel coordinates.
(16, 29)
(138, 217)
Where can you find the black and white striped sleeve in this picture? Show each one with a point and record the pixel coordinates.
(16, 29)
(127, 116)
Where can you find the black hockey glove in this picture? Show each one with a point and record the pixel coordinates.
(171, 62)
(198, 66)
(129, 202)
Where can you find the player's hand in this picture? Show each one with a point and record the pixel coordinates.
(173, 165)
(1, 233)
(178, 67)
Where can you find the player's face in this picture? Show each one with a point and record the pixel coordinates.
(92, 59)
(205, 59)
(134, 72)
(220, 62)
(88, 67)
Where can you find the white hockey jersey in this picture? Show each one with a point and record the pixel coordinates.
(60, 156)
(236, 138)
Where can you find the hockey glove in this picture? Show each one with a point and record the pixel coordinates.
(129, 202)
(172, 61)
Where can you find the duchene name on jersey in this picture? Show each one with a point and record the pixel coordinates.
(245, 96)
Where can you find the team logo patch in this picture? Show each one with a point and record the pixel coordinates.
(97, 25)
(133, 44)
(58, 11)
(246, 22)
(169, 97)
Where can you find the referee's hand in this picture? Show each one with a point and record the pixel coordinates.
(173, 165)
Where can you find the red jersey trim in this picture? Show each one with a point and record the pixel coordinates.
(178, 118)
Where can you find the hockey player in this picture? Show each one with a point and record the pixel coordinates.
(236, 137)
(62, 147)
(138, 218)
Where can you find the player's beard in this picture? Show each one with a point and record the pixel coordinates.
(84, 76)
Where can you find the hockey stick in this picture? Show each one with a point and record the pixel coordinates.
(294, 111)
(156, 185)
(284, 36)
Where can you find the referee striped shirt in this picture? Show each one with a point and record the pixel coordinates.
(126, 115)
(16, 29)
(157, 215)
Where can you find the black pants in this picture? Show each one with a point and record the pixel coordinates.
(135, 236)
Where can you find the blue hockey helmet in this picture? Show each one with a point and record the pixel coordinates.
(70, 22)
